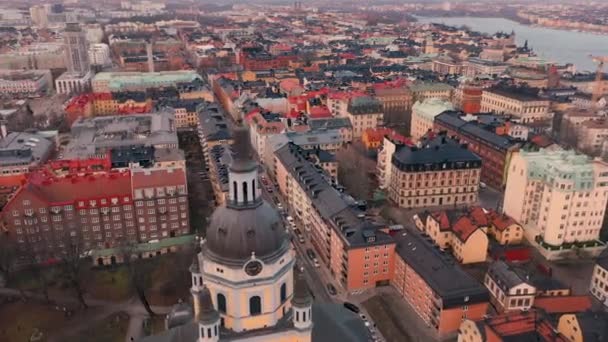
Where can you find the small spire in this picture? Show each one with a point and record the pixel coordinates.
(301, 295)
(242, 161)
(195, 266)
(207, 313)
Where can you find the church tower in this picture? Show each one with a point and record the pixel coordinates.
(302, 305)
(246, 260)
(207, 317)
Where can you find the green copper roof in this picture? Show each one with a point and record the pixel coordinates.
(561, 166)
(146, 246)
(119, 80)
(430, 108)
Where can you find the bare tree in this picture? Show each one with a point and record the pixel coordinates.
(73, 267)
(38, 271)
(139, 271)
(8, 256)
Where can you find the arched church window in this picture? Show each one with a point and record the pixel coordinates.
(221, 303)
(283, 292)
(255, 305)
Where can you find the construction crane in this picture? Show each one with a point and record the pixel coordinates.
(597, 88)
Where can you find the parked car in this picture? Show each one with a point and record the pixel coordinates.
(301, 239)
(352, 307)
(311, 254)
(290, 219)
(316, 263)
(332, 289)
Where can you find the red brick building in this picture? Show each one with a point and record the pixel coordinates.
(97, 210)
(494, 149)
(258, 59)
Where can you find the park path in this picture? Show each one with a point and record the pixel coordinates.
(98, 310)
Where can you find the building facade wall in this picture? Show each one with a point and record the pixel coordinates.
(434, 188)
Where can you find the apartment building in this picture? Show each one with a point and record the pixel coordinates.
(384, 165)
(21, 153)
(364, 112)
(438, 290)
(592, 136)
(97, 210)
(462, 232)
(341, 124)
(396, 101)
(107, 82)
(425, 90)
(599, 279)
(212, 128)
(559, 196)
(25, 83)
(423, 115)
(509, 290)
(484, 140)
(522, 103)
(95, 137)
(441, 172)
(263, 125)
(358, 253)
(184, 111)
(474, 67)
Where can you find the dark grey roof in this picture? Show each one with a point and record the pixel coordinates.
(242, 161)
(234, 234)
(594, 326)
(301, 294)
(212, 122)
(504, 276)
(207, 314)
(475, 130)
(439, 270)
(328, 201)
(440, 150)
(181, 313)
(329, 123)
(602, 260)
(333, 323)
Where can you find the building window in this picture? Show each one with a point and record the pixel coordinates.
(283, 292)
(255, 305)
(221, 303)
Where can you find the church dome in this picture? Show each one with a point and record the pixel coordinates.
(234, 233)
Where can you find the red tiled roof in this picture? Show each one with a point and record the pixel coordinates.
(345, 95)
(563, 304)
(79, 187)
(464, 228)
(479, 215)
(319, 112)
(501, 222)
(154, 178)
(289, 84)
(442, 218)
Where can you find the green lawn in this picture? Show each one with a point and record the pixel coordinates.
(111, 329)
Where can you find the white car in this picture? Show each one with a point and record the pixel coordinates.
(290, 219)
(316, 262)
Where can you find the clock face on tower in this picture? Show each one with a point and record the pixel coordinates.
(253, 268)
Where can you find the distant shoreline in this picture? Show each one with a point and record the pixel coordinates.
(514, 18)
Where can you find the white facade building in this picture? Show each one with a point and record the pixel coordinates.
(559, 196)
(99, 54)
